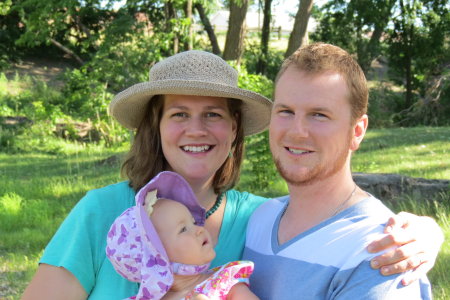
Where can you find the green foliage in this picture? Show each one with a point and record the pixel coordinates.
(383, 104)
(413, 35)
(273, 60)
(45, 108)
(258, 160)
(256, 83)
(260, 174)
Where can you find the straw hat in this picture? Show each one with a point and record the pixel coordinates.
(196, 73)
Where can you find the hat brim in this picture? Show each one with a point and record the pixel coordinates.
(128, 107)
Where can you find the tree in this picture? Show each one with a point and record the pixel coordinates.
(413, 35)
(189, 17)
(208, 28)
(299, 34)
(265, 35)
(234, 42)
(356, 26)
(418, 45)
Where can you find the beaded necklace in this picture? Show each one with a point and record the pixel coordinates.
(216, 205)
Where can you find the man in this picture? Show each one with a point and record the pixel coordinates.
(312, 243)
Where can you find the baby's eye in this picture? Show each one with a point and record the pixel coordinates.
(184, 229)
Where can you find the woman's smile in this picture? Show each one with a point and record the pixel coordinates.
(202, 128)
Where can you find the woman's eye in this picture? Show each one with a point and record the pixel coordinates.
(179, 114)
(212, 115)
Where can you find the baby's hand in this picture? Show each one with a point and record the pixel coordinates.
(241, 291)
(200, 297)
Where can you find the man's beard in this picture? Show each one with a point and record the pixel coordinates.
(323, 170)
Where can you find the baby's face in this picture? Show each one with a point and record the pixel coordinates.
(184, 241)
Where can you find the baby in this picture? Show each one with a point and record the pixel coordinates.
(162, 244)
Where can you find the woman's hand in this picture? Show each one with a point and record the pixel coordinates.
(417, 240)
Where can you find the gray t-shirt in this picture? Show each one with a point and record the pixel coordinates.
(328, 261)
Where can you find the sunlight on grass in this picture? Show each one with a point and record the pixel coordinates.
(417, 152)
(15, 271)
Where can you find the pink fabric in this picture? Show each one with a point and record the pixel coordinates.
(223, 279)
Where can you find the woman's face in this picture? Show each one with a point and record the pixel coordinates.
(196, 135)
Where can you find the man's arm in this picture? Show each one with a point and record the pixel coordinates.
(362, 283)
(417, 241)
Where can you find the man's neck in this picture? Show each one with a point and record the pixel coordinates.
(316, 202)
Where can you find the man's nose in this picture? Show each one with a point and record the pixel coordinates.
(300, 127)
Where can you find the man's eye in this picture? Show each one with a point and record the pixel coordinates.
(320, 115)
(286, 112)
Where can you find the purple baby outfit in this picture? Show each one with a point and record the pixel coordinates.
(134, 247)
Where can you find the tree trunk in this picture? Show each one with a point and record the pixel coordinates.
(234, 43)
(408, 32)
(372, 49)
(299, 34)
(189, 44)
(67, 50)
(208, 28)
(408, 75)
(170, 14)
(265, 36)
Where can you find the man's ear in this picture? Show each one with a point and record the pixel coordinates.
(359, 131)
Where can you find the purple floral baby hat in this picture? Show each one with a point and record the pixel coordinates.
(134, 247)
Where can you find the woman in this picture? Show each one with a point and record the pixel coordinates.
(191, 118)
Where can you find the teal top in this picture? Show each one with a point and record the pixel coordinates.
(79, 244)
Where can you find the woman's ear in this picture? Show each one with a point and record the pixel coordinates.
(234, 127)
(359, 131)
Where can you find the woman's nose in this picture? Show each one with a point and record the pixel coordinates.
(196, 126)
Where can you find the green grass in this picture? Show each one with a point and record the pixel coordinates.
(440, 210)
(417, 152)
(38, 190)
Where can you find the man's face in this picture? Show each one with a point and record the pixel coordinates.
(311, 136)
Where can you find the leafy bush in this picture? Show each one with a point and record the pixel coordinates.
(258, 158)
(382, 102)
(252, 54)
(433, 108)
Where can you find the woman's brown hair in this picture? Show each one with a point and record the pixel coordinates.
(146, 159)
